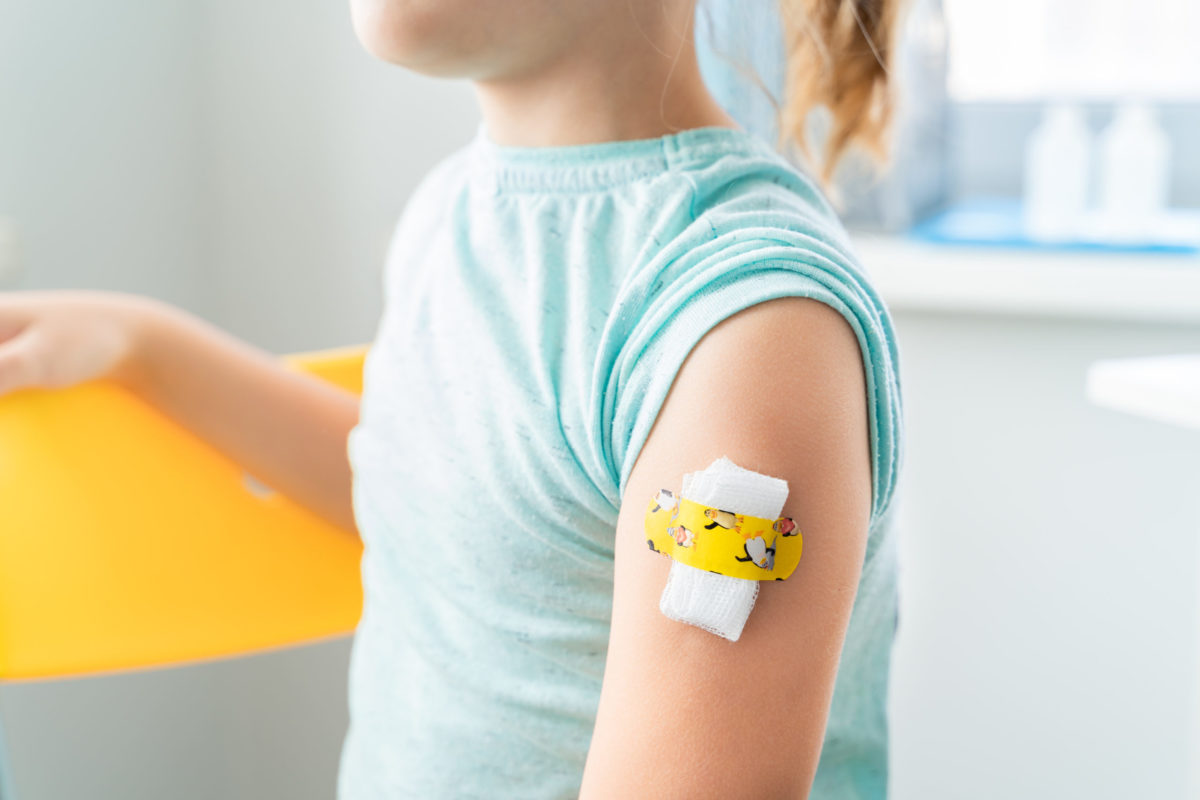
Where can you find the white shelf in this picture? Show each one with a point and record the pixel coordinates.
(1163, 388)
(918, 276)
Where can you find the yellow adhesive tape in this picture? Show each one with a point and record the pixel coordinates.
(737, 545)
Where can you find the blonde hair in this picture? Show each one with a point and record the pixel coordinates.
(839, 55)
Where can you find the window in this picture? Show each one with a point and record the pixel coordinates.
(1022, 50)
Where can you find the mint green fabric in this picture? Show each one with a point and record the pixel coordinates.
(539, 302)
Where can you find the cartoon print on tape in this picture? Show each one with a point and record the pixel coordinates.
(726, 519)
(665, 499)
(757, 544)
(758, 553)
(682, 536)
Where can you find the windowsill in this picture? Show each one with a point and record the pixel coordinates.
(917, 276)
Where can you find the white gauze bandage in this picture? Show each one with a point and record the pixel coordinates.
(719, 603)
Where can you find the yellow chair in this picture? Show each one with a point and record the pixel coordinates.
(126, 542)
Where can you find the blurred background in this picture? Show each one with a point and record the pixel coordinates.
(248, 161)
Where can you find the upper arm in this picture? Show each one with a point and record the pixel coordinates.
(779, 388)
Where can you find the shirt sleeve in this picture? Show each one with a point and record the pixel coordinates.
(694, 299)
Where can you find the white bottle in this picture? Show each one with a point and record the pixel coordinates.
(1134, 155)
(1057, 161)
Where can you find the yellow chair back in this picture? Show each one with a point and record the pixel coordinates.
(127, 542)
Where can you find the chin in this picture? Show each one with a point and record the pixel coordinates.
(474, 39)
(434, 37)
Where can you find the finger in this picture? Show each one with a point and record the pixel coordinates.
(19, 365)
(16, 312)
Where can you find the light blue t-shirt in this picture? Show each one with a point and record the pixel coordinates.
(539, 302)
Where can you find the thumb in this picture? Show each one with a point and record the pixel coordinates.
(19, 367)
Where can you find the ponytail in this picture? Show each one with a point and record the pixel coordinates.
(839, 55)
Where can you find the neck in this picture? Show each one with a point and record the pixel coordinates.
(635, 82)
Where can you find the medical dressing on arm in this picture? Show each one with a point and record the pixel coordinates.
(742, 532)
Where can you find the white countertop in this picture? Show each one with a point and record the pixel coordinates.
(919, 276)
(1163, 388)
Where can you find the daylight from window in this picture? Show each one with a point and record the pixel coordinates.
(1086, 49)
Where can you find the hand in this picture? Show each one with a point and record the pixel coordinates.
(58, 338)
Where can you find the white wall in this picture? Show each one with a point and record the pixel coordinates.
(99, 133)
(314, 147)
(256, 728)
(1049, 638)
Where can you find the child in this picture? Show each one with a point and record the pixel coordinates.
(610, 286)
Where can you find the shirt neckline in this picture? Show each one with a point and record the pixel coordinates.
(599, 165)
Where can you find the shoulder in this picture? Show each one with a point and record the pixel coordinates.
(761, 232)
(757, 187)
(753, 215)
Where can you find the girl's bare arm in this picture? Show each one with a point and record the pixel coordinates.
(286, 428)
(684, 713)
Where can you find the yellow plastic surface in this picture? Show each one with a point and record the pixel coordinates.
(127, 542)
